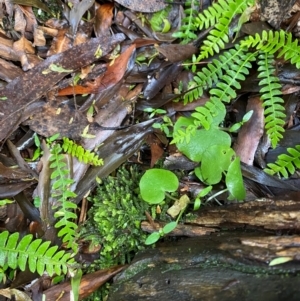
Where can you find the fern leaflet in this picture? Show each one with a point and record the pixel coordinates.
(285, 164)
(186, 31)
(270, 95)
(61, 191)
(80, 153)
(272, 41)
(37, 254)
(222, 14)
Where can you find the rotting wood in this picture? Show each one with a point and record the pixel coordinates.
(216, 267)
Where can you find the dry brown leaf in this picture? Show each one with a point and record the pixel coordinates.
(20, 22)
(38, 37)
(9, 71)
(251, 132)
(23, 47)
(88, 284)
(60, 43)
(103, 19)
(7, 51)
(113, 75)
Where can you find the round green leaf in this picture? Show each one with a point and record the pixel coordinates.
(155, 182)
(234, 181)
(152, 238)
(201, 141)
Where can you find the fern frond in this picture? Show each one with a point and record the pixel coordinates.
(273, 41)
(285, 164)
(270, 95)
(61, 191)
(188, 27)
(234, 62)
(221, 15)
(80, 153)
(38, 255)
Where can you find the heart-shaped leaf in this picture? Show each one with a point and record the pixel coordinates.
(201, 141)
(215, 160)
(155, 182)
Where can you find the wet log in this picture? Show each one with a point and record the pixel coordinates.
(223, 266)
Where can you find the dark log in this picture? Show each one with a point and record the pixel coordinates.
(231, 266)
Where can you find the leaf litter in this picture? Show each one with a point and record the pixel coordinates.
(111, 52)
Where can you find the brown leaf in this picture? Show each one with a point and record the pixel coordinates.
(103, 19)
(89, 283)
(156, 153)
(9, 71)
(20, 22)
(75, 14)
(177, 52)
(113, 75)
(23, 47)
(26, 90)
(251, 132)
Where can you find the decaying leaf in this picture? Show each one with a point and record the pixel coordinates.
(27, 89)
(251, 132)
(178, 206)
(75, 14)
(103, 19)
(113, 75)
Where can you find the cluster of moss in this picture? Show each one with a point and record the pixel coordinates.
(115, 217)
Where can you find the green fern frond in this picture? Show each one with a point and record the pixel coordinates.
(61, 191)
(270, 95)
(230, 67)
(210, 16)
(285, 164)
(80, 153)
(273, 41)
(38, 255)
(221, 15)
(188, 27)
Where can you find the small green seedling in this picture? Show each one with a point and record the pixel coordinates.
(165, 126)
(203, 192)
(154, 187)
(154, 112)
(155, 236)
(238, 125)
(39, 152)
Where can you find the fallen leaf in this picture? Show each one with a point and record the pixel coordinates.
(251, 132)
(113, 75)
(103, 19)
(88, 284)
(26, 90)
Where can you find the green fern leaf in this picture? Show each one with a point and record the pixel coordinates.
(37, 254)
(221, 14)
(188, 27)
(279, 42)
(80, 153)
(285, 164)
(234, 62)
(270, 95)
